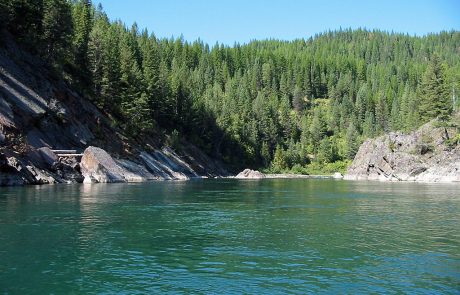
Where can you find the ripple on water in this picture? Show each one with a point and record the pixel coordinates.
(225, 236)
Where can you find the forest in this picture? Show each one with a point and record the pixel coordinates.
(303, 106)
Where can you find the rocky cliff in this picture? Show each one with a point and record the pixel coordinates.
(429, 154)
(41, 116)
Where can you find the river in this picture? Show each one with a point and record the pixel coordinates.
(279, 236)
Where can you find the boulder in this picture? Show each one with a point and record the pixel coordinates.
(337, 175)
(98, 166)
(250, 174)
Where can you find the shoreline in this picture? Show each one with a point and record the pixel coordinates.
(267, 176)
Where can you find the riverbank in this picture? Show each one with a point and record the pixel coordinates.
(289, 176)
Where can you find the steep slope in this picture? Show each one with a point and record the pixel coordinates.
(40, 113)
(429, 154)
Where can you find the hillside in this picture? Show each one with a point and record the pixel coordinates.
(281, 106)
(40, 112)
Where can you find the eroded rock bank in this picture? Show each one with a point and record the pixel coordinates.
(45, 166)
(42, 116)
(98, 166)
(429, 154)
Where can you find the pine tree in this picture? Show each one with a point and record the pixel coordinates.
(279, 162)
(111, 86)
(327, 151)
(369, 125)
(23, 18)
(139, 114)
(352, 138)
(95, 55)
(131, 74)
(82, 23)
(57, 29)
(396, 123)
(361, 104)
(317, 129)
(298, 99)
(434, 96)
(382, 113)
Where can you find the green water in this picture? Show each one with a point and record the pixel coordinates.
(226, 236)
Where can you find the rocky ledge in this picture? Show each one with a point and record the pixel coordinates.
(429, 154)
(45, 166)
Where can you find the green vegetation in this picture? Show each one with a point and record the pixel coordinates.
(303, 105)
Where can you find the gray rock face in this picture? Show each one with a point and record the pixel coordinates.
(142, 174)
(14, 171)
(166, 164)
(98, 166)
(250, 174)
(48, 156)
(2, 138)
(422, 156)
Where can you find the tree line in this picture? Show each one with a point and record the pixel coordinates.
(280, 105)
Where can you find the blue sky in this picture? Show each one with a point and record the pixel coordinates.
(240, 21)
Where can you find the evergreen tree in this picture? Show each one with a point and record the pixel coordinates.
(279, 162)
(57, 29)
(382, 113)
(317, 129)
(327, 152)
(396, 123)
(434, 97)
(298, 99)
(23, 18)
(353, 142)
(81, 15)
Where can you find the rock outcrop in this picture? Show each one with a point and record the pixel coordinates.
(14, 171)
(425, 155)
(98, 166)
(40, 112)
(250, 174)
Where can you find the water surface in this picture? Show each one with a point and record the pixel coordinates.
(227, 236)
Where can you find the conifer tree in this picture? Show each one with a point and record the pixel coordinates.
(57, 29)
(352, 138)
(434, 97)
(82, 23)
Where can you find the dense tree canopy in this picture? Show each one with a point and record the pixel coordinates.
(267, 103)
